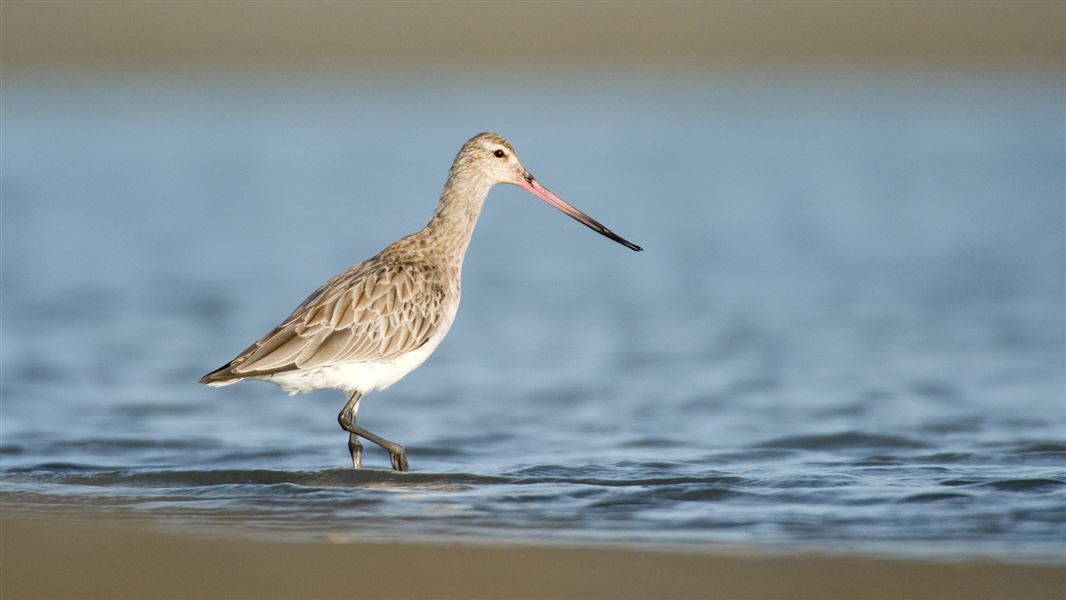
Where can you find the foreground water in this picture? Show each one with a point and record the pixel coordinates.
(846, 333)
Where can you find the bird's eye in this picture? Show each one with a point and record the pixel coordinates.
(499, 154)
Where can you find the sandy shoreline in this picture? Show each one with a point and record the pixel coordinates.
(41, 557)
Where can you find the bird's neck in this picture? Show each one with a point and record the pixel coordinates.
(453, 222)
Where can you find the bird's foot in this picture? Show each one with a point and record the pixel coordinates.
(399, 458)
(396, 452)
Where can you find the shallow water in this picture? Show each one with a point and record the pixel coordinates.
(846, 333)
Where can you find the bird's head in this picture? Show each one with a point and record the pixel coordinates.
(489, 158)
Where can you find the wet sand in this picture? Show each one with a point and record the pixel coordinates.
(45, 557)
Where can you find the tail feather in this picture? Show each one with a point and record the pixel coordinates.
(221, 376)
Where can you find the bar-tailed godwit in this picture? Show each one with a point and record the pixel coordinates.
(379, 320)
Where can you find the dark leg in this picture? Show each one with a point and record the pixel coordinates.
(347, 421)
(346, 418)
(396, 452)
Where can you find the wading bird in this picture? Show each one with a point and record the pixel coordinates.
(379, 320)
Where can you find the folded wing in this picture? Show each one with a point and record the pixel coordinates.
(362, 315)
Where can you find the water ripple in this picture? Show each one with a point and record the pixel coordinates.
(842, 441)
(1026, 485)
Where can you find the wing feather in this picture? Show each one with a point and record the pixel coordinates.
(372, 312)
(329, 349)
(343, 311)
(282, 355)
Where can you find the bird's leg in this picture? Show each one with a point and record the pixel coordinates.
(397, 454)
(347, 421)
(346, 418)
(356, 450)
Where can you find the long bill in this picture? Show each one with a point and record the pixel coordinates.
(534, 187)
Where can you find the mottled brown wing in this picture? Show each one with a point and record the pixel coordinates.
(364, 314)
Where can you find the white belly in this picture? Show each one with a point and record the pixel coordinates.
(363, 377)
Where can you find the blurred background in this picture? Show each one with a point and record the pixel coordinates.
(847, 326)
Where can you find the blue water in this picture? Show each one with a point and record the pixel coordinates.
(846, 333)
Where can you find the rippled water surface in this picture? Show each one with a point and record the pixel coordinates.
(846, 333)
